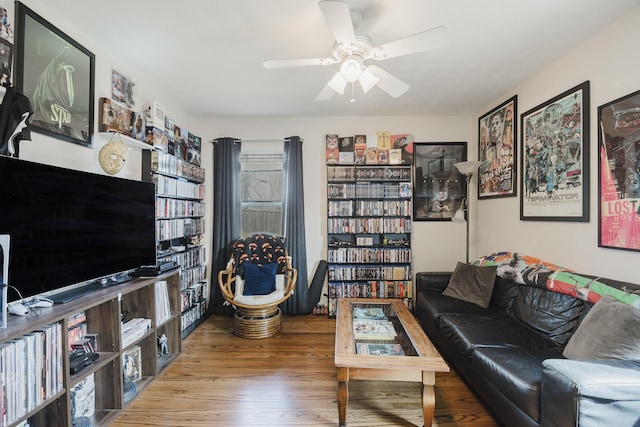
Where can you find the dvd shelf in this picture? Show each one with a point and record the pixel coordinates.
(369, 232)
(38, 382)
(180, 226)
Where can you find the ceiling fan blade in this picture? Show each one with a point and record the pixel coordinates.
(338, 18)
(388, 83)
(282, 63)
(426, 40)
(325, 94)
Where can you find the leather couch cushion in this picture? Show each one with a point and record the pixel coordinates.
(472, 283)
(468, 332)
(504, 294)
(553, 314)
(436, 304)
(516, 372)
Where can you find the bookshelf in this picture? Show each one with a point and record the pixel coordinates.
(35, 350)
(180, 230)
(369, 232)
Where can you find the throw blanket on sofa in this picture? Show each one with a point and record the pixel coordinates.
(531, 271)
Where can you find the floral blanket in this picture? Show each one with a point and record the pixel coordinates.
(531, 271)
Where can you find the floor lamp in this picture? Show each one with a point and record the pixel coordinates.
(462, 215)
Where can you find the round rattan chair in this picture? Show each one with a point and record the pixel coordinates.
(257, 315)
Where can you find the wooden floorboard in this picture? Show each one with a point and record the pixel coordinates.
(287, 380)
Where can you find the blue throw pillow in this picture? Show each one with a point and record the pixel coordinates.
(259, 279)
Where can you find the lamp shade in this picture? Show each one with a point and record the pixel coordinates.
(367, 80)
(351, 68)
(459, 216)
(338, 83)
(468, 168)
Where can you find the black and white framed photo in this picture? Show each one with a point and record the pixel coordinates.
(555, 158)
(438, 188)
(57, 74)
(497, 132)
(619, 173)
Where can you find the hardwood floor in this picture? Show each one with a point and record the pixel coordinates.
(286, 380)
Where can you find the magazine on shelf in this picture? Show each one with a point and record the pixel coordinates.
(379, 349)
(373, 329)
(371, 313)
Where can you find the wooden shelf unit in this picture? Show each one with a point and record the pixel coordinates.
(103, 310)
(369, 232)
(180, 227)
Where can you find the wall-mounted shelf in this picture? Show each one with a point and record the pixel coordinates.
(128, 141)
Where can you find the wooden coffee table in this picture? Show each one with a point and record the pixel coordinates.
(419, 362)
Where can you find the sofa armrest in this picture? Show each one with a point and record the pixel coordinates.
(590, 393)
(432, 281)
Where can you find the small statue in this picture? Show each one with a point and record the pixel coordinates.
(164, 347)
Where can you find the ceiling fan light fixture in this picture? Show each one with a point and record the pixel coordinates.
(338, 83)
(351, 68)
(367, 80)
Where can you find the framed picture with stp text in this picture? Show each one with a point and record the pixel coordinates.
(497, 149)
(57, 75)
(619, 173)
(555, 158)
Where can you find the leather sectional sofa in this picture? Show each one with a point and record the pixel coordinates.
(526, 336)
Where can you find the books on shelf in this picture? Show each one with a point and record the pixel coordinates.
(379, 349)
(133, 330)
(163, 309)
(373, 329)
(31, 371)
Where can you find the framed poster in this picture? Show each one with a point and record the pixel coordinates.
(497, 148)
(555, 158)
(619, 173)
(57, 75)
(438, 188)
(6, 57)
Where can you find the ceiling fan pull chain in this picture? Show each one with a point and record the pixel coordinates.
(353, 98)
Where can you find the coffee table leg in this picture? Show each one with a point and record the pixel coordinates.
(428, 397)
(342, 375)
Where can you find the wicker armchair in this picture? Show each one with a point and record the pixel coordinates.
(247, 284)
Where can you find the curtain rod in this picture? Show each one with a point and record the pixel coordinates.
(239, 141)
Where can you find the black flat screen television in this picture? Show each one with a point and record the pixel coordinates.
(68, 227)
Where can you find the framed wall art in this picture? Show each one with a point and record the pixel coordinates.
(497, 148)
(57, 74)
(555, 158)
(6, 56)
(619, 173)
(438, 188)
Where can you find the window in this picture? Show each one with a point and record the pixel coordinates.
(262, 189)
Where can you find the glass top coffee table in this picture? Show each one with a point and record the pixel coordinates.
(379, 339)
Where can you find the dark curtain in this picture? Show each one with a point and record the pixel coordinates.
(293, 226)
(226, 212)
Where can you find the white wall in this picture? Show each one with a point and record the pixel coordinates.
(610, 62)
(44, 149)
(437, 245)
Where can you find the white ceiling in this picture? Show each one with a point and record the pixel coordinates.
(210, 51)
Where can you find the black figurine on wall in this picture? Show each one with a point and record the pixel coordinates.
(15, 111)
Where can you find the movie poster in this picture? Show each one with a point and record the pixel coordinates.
(619, 177)
(555, 158)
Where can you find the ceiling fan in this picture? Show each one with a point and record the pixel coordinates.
(351, 50)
